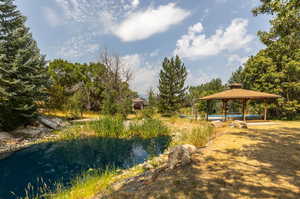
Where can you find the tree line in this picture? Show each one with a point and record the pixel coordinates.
(27, 81)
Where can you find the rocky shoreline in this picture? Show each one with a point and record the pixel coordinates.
(26, 136)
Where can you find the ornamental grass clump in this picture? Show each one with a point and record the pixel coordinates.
(148, 128)
(198, 136)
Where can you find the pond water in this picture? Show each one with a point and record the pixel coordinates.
(62, 161)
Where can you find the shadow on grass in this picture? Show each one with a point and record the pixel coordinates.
(270, 168)
(61, 161)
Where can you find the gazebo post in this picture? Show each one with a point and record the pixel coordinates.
(207, 111)
(244, 109)
(266, 109)
(225, 109)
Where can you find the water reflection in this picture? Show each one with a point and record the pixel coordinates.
(62, 161)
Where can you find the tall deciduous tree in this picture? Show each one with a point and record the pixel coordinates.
(276, 69)
(22, 68)
(172, 85)
(117, 94)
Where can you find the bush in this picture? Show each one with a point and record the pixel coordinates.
(149, 128)
(198, 136)
(147, 113)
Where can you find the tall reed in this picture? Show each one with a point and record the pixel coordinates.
(148, 128)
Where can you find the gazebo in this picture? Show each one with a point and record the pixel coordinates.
(237, 93)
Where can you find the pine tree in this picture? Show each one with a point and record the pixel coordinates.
(22, 68)
(152, 98)
(172, 85)
(237, 76)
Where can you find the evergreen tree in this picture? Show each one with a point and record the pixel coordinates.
(172, 85)
(237, 76)
(22, 76)
(152, 98)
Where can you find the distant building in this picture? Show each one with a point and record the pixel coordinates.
(138, 104)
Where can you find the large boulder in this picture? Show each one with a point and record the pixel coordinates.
(48, 122)
(218, 124)
(31, 132)
(239, 124)
(180, 155)
(53, 123)
(4, 136)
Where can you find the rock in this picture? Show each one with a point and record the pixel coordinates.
(31, 132)
(218, 124)
(191, 148)
(4, 136)
(60, 122)
(147, 166)
(49, 122)
(239, 124)
(180, 155)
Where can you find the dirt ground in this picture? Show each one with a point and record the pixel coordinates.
(261, 162)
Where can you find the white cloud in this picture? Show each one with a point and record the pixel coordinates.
(237, 59)
(195, 44)
(83, 11)
(52, 17)
(195, 79)
(141, 25)
(135, 3)
(154, 53)
(77, 47)
(145, 75)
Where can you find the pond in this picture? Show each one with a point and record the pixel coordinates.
(62, 161)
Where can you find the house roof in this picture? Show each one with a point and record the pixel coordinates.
(136, 100)
(238, 93)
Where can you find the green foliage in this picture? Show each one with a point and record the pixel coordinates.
(237, 76)
(172, 85)
(114, 127)
(75, 87)
(276, 69)
(147, 113)
(152, 98)
(109, 127)
(86, 185)
(149, 128)
(22, 69)
(198, 136)
(196, 92)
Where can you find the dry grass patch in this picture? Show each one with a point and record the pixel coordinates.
(260, 162)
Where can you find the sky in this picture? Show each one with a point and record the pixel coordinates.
(213, 37)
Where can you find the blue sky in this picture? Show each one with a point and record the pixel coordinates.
(213, 37)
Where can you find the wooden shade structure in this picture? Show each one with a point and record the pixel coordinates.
(237, 93)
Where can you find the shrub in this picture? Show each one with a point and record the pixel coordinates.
(146, 113)
(149, 128)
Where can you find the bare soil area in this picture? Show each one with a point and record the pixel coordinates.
(259, 162)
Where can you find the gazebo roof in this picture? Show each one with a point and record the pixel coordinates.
(238, 93)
